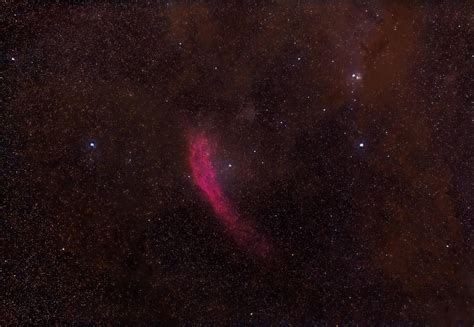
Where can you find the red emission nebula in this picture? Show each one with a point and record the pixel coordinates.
(204, 175)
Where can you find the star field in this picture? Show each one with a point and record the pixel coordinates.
(237, 163)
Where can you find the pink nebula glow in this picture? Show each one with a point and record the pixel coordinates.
(204, 175)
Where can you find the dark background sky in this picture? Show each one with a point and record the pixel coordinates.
(343, 132)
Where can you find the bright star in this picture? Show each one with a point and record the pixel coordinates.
(357, 76)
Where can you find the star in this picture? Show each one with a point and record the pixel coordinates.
(356, 76)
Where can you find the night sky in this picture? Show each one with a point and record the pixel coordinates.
(237, 162)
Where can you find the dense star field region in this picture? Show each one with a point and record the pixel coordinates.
(237, 163)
